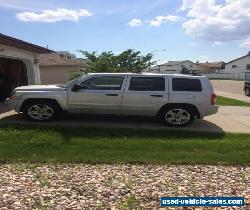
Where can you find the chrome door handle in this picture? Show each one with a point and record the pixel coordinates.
(156, 95)
(111, 94)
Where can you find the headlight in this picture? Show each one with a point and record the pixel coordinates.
(12, 94)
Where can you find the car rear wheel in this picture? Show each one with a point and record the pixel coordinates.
(177, 116)
(41, 111)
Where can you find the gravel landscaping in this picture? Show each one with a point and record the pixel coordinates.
(81, 186)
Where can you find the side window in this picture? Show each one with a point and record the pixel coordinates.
(103, 83)
(147, 84)
(234, 66)
(184, 84)
(248, 67)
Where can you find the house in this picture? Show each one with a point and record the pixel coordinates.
(18, 64)
(58, 68)
(172, 67)
(239, 67)
(209, 68)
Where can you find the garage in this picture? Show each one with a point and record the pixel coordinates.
(13, 73)
(19, 64)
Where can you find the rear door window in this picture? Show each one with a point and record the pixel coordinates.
(147, 84)
(186, 84)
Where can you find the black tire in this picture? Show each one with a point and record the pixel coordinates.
(187, 113)
(53, 109)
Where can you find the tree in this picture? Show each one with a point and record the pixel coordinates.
(127, 61)
(185, 70)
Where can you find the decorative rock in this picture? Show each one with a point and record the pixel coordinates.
(79, 186)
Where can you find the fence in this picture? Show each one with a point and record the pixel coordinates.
(229, 76)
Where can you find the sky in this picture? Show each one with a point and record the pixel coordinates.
(204, 30)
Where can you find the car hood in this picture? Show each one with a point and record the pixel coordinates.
(40, 88)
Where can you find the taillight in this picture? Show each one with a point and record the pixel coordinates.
(213, 99)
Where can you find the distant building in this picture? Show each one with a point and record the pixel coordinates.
(239, 67)
(210, 68)
(172, 67)
(57, 68)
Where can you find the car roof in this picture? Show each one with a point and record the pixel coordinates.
(146, 74)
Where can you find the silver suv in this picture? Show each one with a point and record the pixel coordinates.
(176, 99)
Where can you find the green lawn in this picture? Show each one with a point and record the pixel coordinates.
(102, 145)
(223, 101)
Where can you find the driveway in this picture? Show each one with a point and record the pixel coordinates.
(228, 119)
(230, 89)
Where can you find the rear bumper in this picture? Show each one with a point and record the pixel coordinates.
(212, 109)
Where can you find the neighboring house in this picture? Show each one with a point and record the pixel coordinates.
(239, 67)
(172, 67)
(210, 68)
(18, 63)
(57, 68)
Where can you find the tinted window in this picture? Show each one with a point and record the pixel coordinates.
(147, 84)
(183, 84)
(103, 83)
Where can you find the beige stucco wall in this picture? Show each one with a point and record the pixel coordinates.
(203, 69)
(57, 74)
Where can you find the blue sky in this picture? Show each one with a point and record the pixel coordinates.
(205, 30)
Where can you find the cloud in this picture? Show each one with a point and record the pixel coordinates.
(53, 15)
(245, 43)
(157, 21)
(215, 22)
(187, 4)
(135, 22)
(216, 43)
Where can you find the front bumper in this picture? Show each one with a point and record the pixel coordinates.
(13, 104)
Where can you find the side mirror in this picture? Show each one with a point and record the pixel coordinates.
(76, 87)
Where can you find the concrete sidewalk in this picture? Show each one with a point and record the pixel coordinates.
(228, 119)
(230, 89)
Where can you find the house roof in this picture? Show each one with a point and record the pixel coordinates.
(54, 59)
(239, 58)
(13, 42)
(173, 63)
(211, 65)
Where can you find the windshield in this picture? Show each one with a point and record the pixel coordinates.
(71, 82)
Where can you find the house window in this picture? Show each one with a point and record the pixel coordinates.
(248, 67)
(234, 66)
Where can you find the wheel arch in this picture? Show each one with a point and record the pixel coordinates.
(29, 100)
(186, 105)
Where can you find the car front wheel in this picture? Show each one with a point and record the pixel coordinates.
(40, 111)
(177, 116)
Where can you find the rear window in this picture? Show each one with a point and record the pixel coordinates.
(147, 84)
(184, 84)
